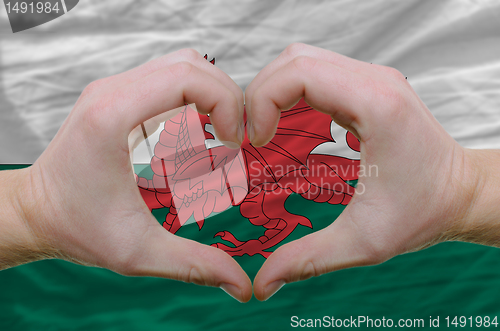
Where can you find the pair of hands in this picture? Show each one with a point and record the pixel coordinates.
(80, 202)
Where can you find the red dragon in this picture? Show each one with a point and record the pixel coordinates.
(195, 175)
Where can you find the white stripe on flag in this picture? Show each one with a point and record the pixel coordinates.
(64, 6)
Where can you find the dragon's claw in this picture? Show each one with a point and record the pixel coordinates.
(250, 247)
(228, 236)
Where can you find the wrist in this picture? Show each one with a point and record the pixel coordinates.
(18, 242)
(479, 221)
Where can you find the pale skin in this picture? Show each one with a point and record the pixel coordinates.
(80, 202)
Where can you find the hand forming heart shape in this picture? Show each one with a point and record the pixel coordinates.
(79, 200)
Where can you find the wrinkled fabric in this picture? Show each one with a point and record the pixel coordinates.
(450, 51)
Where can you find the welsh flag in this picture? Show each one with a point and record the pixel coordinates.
(187, 176)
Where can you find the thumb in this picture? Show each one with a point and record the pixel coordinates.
(169, 256)
(335, 247)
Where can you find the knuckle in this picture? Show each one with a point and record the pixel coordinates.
(194, 276)
(189, 54)
(181, 69)
(295, 49)
(389, 99)
(93, 88)
(99, 110)
(304, 63)
(393, 73)
(190, 274)
(309, 270)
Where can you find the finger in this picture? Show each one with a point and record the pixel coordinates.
(333, 248)
(168, 256)
(344, 95)
(299, 49)
(164, 90)
(183, 55)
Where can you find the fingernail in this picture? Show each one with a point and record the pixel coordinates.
(230, 144)
(274, 287)
(232, 290)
